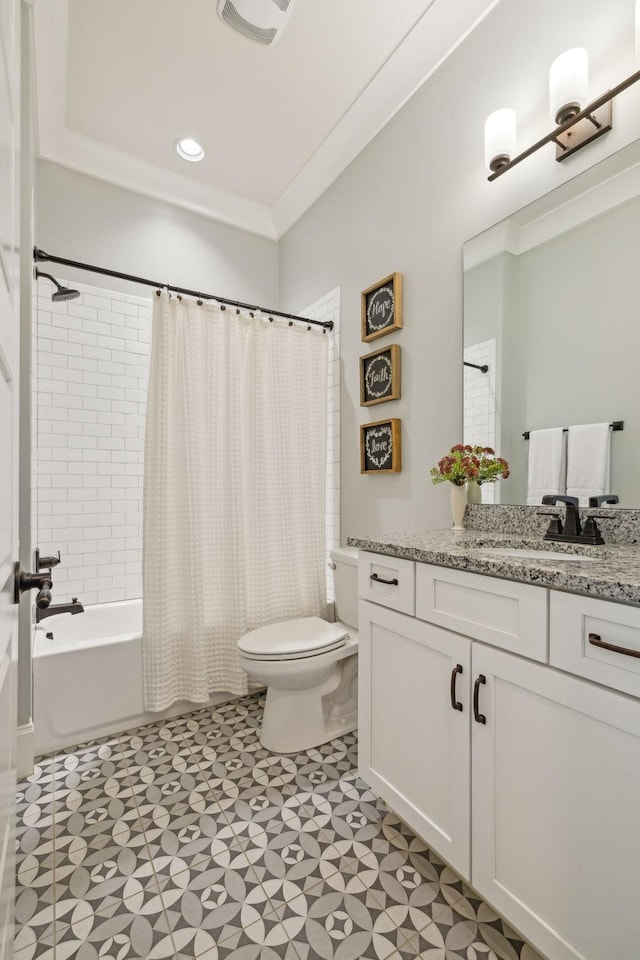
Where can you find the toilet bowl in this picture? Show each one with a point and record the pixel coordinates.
(310, 668)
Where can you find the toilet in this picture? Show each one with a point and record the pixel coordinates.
(310, 668)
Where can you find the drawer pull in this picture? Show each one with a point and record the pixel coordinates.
(477, 716)
(391, 583)
(454, 674)
(596, 641)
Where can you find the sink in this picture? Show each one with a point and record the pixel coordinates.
(522, 554)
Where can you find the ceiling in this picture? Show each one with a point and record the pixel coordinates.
(117, 83)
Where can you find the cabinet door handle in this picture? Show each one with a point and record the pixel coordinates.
(454, 674)
(596, 641)
(392, 583)
(477, 716)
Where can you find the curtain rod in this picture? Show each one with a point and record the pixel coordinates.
(616, 426)
(41, 257)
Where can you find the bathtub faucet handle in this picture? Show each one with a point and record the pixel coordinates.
(23, 581)
(46, 563)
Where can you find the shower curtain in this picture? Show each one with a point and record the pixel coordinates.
(234, 491)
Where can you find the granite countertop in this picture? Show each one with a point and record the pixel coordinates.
(609, 572)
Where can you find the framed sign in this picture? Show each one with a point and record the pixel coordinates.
(380, 447)
(380, 376)
(382, 307)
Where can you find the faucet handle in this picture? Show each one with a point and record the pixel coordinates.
(555, 524)
(46, 563)
(591, 532)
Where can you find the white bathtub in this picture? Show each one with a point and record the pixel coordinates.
(87, 679)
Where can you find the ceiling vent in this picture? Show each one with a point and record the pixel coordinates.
(259, 20)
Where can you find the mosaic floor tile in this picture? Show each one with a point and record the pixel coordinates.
(188, 840)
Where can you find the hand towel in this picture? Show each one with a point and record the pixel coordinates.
(588, 461)
(547, 463)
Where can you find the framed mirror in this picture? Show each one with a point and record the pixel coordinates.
(552, 310)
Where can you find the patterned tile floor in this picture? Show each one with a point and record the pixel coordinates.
(187, 839)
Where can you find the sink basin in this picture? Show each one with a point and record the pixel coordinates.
(523, 554)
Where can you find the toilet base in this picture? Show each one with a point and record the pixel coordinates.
(296, 720)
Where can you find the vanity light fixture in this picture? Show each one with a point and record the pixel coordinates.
(577, 121)
(189, 149)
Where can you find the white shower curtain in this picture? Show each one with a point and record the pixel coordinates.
(234, 491)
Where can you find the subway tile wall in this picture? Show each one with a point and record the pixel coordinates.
(480, 411)
(91, 361)
(328, 308)
(90, 378)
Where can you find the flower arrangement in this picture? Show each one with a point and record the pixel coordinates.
(465, 463)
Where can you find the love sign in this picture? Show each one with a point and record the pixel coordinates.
(380, 447)
(382, 307)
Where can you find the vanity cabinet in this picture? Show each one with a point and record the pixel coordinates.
(532, 789)
(555, 815)
(414, 748)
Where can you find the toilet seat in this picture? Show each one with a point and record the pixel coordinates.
(293, 639)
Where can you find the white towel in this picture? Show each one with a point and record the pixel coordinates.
(547, 463)
(588, 461)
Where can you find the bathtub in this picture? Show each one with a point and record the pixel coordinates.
(87, 676)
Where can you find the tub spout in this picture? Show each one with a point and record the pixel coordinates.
(56, 608)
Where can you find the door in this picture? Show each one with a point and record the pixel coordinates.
(9, 358)
(556, 831)
(413, 697)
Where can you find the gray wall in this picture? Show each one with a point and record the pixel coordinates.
(81, 218)
(579, 338)
(410, 200)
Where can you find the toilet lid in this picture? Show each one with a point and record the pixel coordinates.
(292, 639)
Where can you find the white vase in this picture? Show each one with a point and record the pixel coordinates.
(474, 493)
(458, 505)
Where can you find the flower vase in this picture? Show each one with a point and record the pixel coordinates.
(474, 493)
(458, 504)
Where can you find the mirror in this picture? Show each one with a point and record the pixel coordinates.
(552, 307)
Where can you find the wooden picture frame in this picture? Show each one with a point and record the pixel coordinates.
(381, 307)
(380, 450)
(380, 376)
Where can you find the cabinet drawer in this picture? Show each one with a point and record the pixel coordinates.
(387, 580)
(505, 614)
(578, 627)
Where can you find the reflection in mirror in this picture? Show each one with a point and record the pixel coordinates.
(551, 305)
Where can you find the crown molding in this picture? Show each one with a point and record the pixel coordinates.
(436, 35)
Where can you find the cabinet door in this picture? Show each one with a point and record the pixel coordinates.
(556, 794)
(414, 746)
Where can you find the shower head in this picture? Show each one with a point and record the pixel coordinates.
(62, 293)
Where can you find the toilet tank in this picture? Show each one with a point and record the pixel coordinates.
(344, 561)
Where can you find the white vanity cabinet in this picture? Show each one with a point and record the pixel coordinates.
(532, 789)
(556, 808)
(414, 748)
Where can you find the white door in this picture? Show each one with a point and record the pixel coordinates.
(9, 357)
(413, 714)
(556, 788)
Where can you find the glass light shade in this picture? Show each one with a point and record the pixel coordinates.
(569, 84)
(499, 138)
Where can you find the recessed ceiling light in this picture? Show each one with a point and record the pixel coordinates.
(189, 149)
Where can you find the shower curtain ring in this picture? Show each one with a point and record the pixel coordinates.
(199, 300)
(290, 323)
